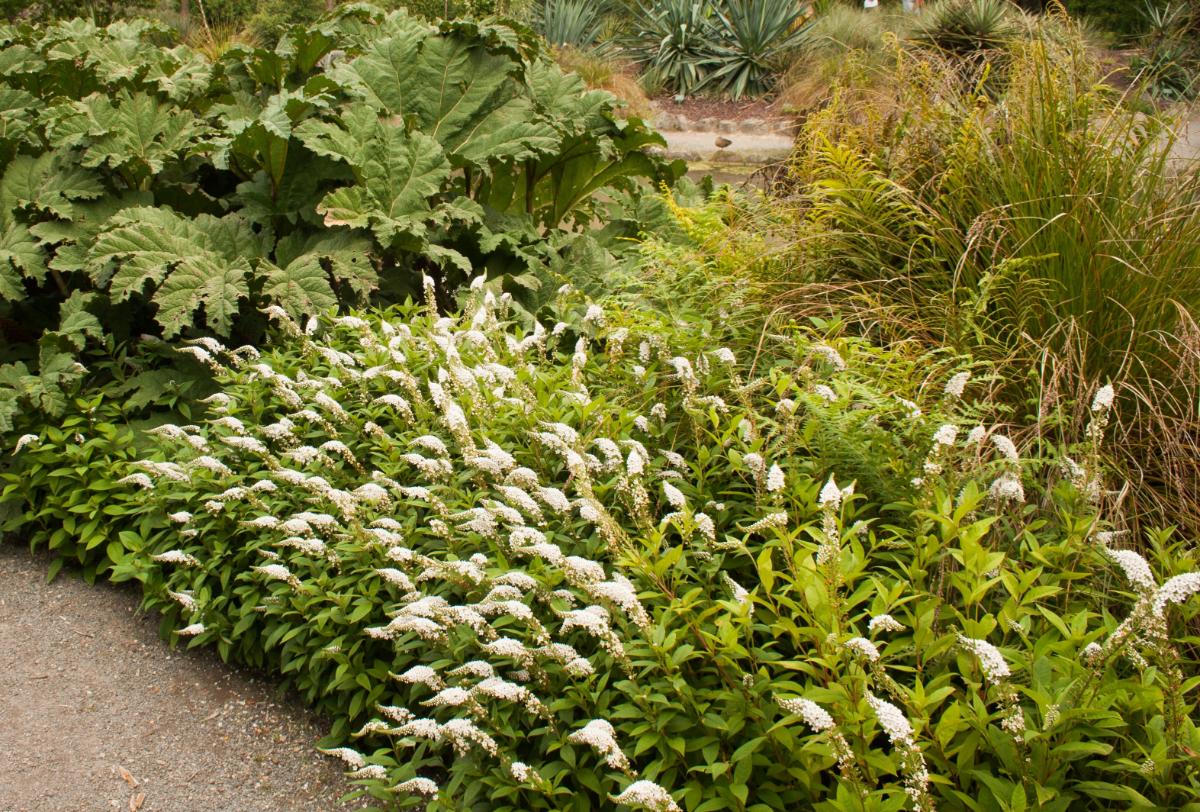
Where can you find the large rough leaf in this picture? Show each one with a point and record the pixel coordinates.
(458, 92)
(133, 132)
(564, 99)
(347, 256)
(180, 73)
(216, 284)
(350, 140)
(19, 252)
(299, 279)
(197, 263)
(75, 323)
(398, 174)
(48, 184)
(295, 197)
(71, 238)
(260, 130)
(17, 119)
(46, 391)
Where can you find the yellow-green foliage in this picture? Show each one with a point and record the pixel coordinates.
(1028, 217)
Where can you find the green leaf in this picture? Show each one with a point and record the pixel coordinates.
(76, 324)
(347, 257)
(197, 263)
(398, 174)
(132, 130)
(217, 286)
(19, 251)
(455, 90)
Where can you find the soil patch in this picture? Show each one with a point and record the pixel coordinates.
(695, 109)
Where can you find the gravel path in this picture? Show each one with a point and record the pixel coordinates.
(96, 713)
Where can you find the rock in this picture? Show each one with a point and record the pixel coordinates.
(709, 124)
(727, 126)
(754, 125)
(668, 122)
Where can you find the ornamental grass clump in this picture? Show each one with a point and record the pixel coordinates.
(1036, 221)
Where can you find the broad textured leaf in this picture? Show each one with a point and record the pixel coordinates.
(148, 243)
(397, 173)
(302, 288)
(351, 140)
(57, 369)
(295, 197)
(135, 130)
(180, 73)
(9, 408)
(261, 130)
(44, 183)
(196, 263)
(374, 73)
(577, 172)
(216, 284)
(18, 116)
(75, 323)
(73, 237)
(306, 46)
(348, 256)
(19, 251)
(20, 59)
(455, 91)
(565, 100)
(444, 257)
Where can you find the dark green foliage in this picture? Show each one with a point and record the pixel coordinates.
(238, 12)
(164, 192)
(305, 576)
(61, 491)
(1123, 17)
(755, 37)
(1170, 61)
(731, 47)
(269, 19)
(102, 12)
(451, 9)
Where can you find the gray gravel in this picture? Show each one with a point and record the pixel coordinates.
(96, 713)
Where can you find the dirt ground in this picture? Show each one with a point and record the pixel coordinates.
(96, 713)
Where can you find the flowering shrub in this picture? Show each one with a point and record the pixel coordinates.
(600, 564)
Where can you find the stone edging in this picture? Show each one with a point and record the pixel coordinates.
(666, 121)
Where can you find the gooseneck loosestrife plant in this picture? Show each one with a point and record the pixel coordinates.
(601, 562)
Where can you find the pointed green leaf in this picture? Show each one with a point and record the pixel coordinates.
(302, 288)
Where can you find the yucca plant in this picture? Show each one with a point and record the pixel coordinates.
(754, 38)
(966, 27)
(574, 23)
(672, 42)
